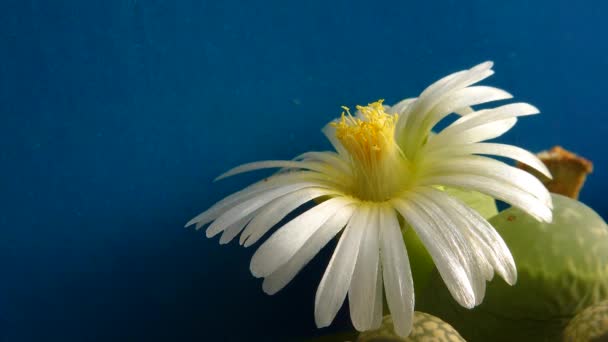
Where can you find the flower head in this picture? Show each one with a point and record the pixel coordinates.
(387, 166)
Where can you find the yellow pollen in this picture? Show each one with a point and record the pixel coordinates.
(376, 160)
(367, 136)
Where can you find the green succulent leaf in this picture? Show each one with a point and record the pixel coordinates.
(484, 204)
(562, 268)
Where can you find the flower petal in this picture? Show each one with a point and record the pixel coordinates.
(476, 134)
(483, 117)
(234, 229)
(432, 94)
(269, 164)
(408, 133)
(362, 292)
(501, 150)
(490, 241)
(284, 274)
(251, 191)
(337, 278)
(445, 248)
(491, 168)
(504, 192)
(472, 258)
(399, 107)
(396, 272)
(460, 99)
(377, 309)
(330, 133)
(331, 158)
(464, 244)
(278, 209)
(286, 241)
(249, 206)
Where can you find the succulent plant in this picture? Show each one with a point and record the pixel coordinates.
(425, 328)
(562, 267)
(590, 325)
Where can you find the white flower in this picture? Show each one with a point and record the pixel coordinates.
(389, 165)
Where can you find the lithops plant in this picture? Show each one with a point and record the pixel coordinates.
(562, 269)
(590, 325)
(426, 328)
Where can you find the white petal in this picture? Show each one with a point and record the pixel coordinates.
(483, 117)
(458, 239)
(434, 93)
(286, 241)
(409, 135)
(480, 117)
(251, 191)
(331, 158)
(444, 247)
(459, 101)
(491, 168)
(234, 229)
(362, 292)
(377, 310)
(463, 98)
(396, 273)
(337, 277)
(442, 82)
(400, 106)
(501, 191)
(275, 211)
(249, 206)
(269, 164)
(476, 134)
(501, 150)
(491, 242)
(404, 118)
(226, 203)
(284, 274)
(464, 111)
(330, 133)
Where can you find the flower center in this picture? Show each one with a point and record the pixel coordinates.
(379, 168)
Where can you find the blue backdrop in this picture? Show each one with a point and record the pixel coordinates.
(116, 116)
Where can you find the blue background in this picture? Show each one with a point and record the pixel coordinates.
(116, 116)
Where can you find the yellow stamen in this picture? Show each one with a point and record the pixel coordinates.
(376, 160)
